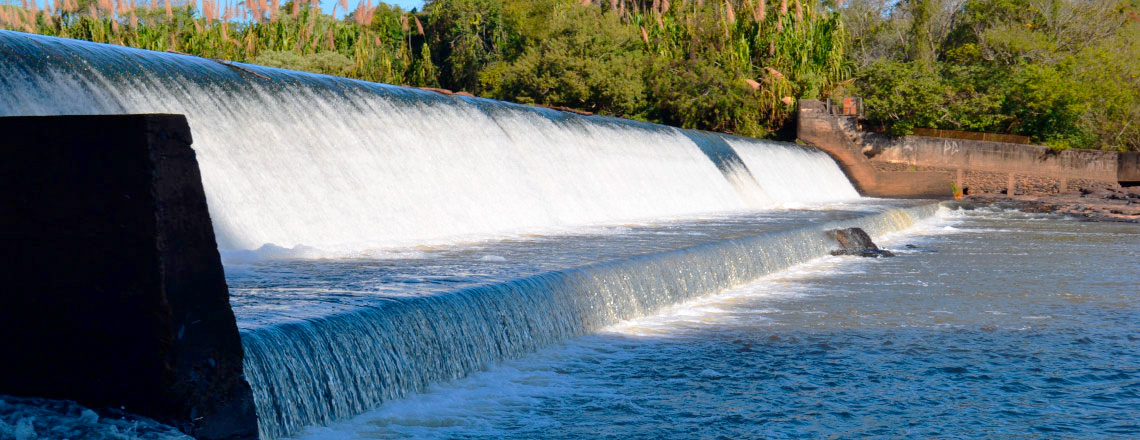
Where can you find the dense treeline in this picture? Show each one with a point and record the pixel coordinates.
(726, 66)
(1064, 72)
(1061, 71)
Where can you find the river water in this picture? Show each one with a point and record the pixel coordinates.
(997, 324)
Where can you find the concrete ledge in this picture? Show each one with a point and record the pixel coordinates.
(114, 294)
(992, 156)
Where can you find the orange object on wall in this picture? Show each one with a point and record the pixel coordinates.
(849, 106)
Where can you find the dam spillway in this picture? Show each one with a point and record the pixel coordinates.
(426, 236)
(344, 165)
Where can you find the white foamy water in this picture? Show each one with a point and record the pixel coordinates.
(359, 333)
(337, 164)
(794, 176)
(302, 166)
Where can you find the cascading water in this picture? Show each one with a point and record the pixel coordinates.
(323, 369)
(338, 164)
(347, 167)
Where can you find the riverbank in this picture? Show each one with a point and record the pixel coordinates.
(1114, 204)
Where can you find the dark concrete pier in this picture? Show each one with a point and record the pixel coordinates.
(113, 290)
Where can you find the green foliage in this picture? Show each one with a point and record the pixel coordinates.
(1063, 72)
(467, 36)
(921, 45)
(903, 94)
(739, 69)
(1047, 105)
(576, 63)
(700, 93)
(734, 66)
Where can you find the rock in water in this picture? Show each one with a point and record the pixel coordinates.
(855, 241)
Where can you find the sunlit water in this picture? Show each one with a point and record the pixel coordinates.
(999, 325)
(325, 340)
(266, 292)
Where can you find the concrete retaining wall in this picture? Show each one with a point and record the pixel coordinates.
(973, 165)
(114, 294)
(1128, 169)
(994, 156)
(996, 167)
(837, 136)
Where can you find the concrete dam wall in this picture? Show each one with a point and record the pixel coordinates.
(837, 135)
(117, 296)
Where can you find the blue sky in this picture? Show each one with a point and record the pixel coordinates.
(327, 5)
(406, 4)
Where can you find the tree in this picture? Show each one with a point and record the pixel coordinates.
(465, 37)
(903, 94)
(583, 58)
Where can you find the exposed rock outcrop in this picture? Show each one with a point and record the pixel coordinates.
(1114, 204)
(855, 241)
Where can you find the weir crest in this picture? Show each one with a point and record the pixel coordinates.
(344, 165)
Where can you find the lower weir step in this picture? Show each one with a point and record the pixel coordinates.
(320, 369)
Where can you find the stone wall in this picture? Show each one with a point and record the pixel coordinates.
(996, 182)
(114, 292)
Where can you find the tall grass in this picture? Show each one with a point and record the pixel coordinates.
(780, 51)
(774, 51)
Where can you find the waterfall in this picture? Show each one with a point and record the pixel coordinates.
(297, 160)
(339, 164)
(324, 369)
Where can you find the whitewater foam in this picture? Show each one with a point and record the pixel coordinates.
(344, 165)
